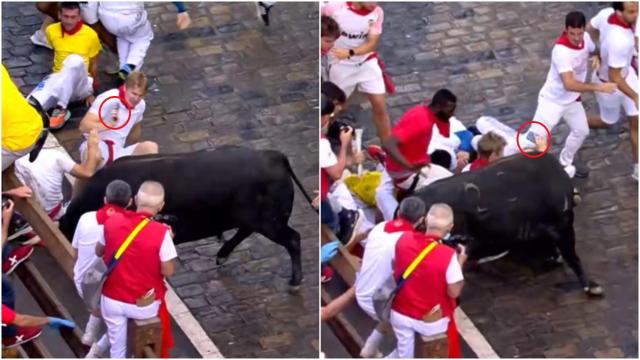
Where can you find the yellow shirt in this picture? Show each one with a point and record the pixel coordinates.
(21, 122)
(84, 43)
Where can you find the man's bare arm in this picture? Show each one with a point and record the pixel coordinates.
(615, 75)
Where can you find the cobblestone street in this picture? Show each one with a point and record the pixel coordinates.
(495, 58)
(228, 79)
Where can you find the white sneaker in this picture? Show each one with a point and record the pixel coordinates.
(571, 170)
(90, 335)
(38, 38)
(95, 352)
(635, 172)
(369, 352)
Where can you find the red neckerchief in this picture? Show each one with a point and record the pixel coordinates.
(123, 99)
(479, 163)
(397, 225)
(74, 30)
(564, 40)
(362, 11)
(615, 20)
(106, 211)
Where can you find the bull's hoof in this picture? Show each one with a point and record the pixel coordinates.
(221, 260)
(294, 286)
(594, 290)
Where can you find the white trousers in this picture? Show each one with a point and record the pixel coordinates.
(486, 124)
(116, 314)
(118, 152)
(133, 33)
(610, 104)
(367, 77)
(405, 329)
(71, 83)
(385, 197)
(550, 113)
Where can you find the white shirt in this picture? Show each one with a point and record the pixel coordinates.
(45, 175)
(454, 271)
(565, 59)
(354, 28)
(88, 231)
(441, 142)
(327, 157)
(167, 248)
(122, 6)
(119, 136)
(617, 44)
(377, 261)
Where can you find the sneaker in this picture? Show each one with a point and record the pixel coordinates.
(376, 153)
(263, 12)
(124, 71)
(39, 38)
(635, 172)
(349, 222)
(571, 170)
(327, 274)
(17, 256)
(96, 352)
(90, 335)
(370, 353)
(24, 334)
(59, 118)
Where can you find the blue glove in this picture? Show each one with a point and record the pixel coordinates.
(328, 251)
(56, 323)
(465, 140)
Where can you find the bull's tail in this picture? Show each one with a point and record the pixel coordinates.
(298, 183)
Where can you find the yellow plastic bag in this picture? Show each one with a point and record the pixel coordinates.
(364, 187)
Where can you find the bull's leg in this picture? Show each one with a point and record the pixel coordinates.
(290, 240)
(228, 246)
(566, 244)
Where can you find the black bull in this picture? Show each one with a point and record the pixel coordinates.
(209, 192)
(516, 203)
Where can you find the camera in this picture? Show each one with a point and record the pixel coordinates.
(454, 240)
(336, 127)
(5, 202)
(165, 218)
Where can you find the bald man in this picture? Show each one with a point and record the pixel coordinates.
(426, 302)
(135, 288)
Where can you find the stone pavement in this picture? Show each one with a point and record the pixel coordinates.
(495, 57)
(226, 80)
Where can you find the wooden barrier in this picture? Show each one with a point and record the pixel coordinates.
(48, 302)
(144, 335)
(346, 265)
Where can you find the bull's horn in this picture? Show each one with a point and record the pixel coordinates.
(577, 199)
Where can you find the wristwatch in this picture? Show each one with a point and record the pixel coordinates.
(351, 53)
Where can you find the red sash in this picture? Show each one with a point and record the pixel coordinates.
(167, 336)
(388, 82)
(110, 150)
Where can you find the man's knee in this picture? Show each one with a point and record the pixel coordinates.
(147, 147)
(73, 61)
